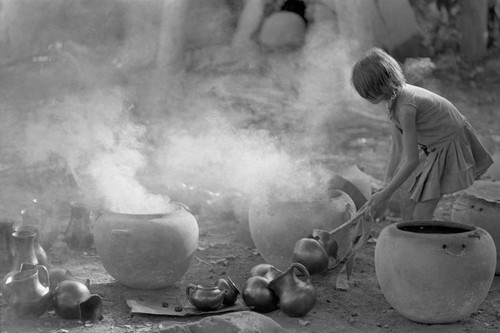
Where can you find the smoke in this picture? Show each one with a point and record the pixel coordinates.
(224, 158)
(251, 132)
(102, 147)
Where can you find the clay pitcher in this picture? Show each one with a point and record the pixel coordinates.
(40, 253)
(72, 299)
(310, 253)
(258, 296)
(24, 253)
(27, 293)
(296, 297)
(78, 234)
(59, 274)
(205, 298)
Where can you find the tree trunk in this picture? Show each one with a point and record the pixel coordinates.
(474, 29)
(171, 45)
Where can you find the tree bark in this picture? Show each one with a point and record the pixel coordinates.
(171, 45)
(474, 29)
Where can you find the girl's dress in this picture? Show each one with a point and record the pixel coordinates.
(455, 156)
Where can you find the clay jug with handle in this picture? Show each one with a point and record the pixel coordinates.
(23, 248)
(27, 293)
(296, 297)
(205, 298)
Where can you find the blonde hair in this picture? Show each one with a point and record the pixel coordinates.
(377, 73)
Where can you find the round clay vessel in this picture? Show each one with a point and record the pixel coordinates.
(480, 209)
(276, 225)
(434, 272)
(146, 251)
(281, 29)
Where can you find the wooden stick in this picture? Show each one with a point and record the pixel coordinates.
(350, 221)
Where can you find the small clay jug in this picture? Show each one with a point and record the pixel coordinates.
(205, 298)
(78, 234)
(26, 292)
(72, 299)
(258, 296)
(265, 270)
(310, 253)
(59, 274)
(327, 241)
(40, 253)
(232, 292)
(296, 297)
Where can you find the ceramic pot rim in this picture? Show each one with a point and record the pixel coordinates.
(467, 229)
(149, 216)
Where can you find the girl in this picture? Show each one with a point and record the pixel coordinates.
(423, 120)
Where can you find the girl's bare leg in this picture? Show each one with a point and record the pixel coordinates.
(425, 210)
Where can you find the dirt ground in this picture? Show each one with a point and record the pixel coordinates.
(474, 89)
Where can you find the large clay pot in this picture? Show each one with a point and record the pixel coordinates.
(276, 226)
(146, 251)
(480, 205)
(434, 272)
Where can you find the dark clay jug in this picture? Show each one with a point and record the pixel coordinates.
(40, 253)
(296, 297)
(258, 296)
(26, 292)
(310, 253)
(23, 248)
(205, 298)
(59, 274)
(72, 299)
(78, 234)
(265, 270)
(231, 291)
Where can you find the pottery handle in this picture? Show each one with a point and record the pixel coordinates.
(43, 271)
(188, 291)
(301, 268)
(123, 233)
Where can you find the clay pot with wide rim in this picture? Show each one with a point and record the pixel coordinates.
(276, 225)
(479, 205)
(146, 251)
(434, 272)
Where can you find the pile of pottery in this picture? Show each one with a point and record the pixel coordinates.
(32, 287)
(269, 288)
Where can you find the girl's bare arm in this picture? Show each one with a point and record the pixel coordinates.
(394, 156)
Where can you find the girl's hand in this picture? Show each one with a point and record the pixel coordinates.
(376, 201)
